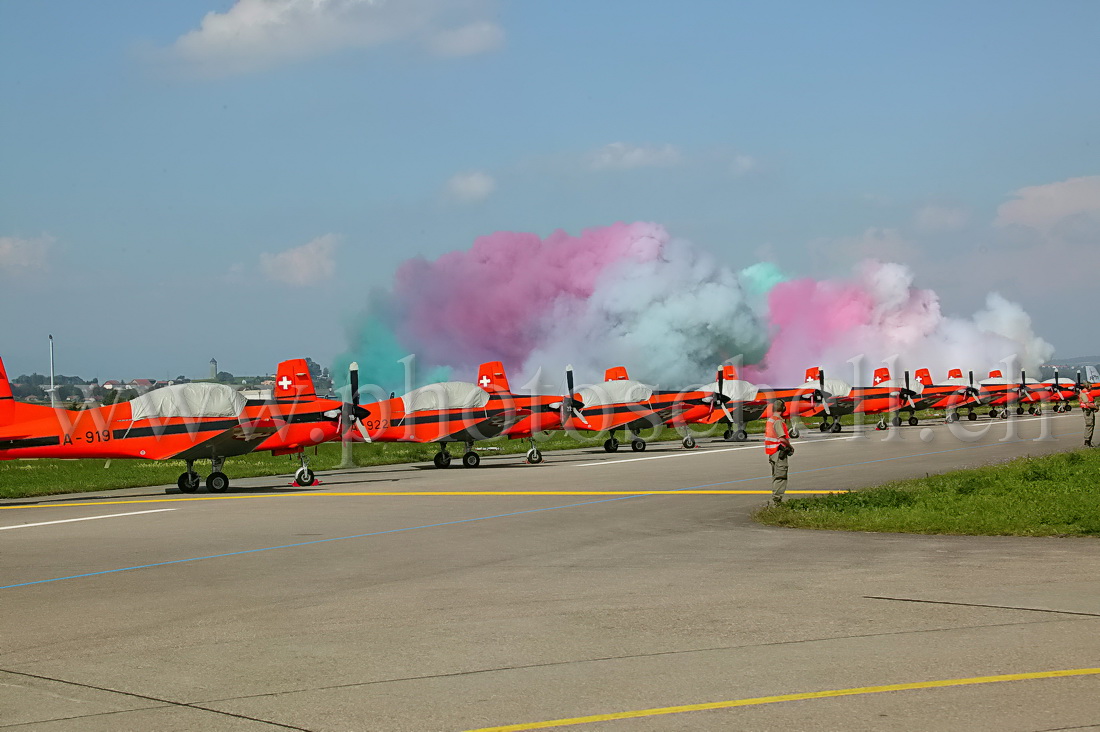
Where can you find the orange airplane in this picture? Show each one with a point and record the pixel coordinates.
(749, 401)
(885, 397)
(540, 412)
(620, 403)
(451, 411)
(1005, 395)
(189, 422)
(951, 395)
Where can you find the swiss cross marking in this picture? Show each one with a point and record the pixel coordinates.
(285, 382)
(485, 381)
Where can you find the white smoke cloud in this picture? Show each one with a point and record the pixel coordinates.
(254, 35)
(671, 320)
(308, 264)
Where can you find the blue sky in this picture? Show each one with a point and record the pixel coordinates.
(167, 196)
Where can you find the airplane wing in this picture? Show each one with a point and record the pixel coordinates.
(483, 429)
(240, 439)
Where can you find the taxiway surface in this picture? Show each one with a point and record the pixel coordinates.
(589, 588)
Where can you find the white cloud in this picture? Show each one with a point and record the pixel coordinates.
(471, 187)
(876, 243)
(260, 34)
(744, 164)
(469, 40)
(308, 264)
(937, 217)
(19, 255)
(623, 156)
(1044, 207)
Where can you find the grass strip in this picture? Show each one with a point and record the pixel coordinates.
(1052, 495)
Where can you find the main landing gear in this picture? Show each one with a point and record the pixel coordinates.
(216, 482)
(955, 417)
(736, 433)
(304, 476)
(637, 444)
(470, 459)
(829, 426)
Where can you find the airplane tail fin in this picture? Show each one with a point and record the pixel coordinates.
(292, 380)
(7, 401)
(881, 375)
(924, 377)
(812, 374)
(491, 377)
(1091, 374)
(616, 373)
(729, 372)
(955, 374)
(996, 374)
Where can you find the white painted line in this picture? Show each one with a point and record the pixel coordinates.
(86, 518)
(690, 453)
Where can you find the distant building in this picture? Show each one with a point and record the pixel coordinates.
(112, 384)
(213, 368)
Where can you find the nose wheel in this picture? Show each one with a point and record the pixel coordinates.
(188, 482)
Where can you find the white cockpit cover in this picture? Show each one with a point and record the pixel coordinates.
(833, 387)
(189, 400)
(446, 395)
(623, 391)
(735, 390)
(914, 386)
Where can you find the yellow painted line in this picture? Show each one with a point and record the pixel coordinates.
(422, 493)
(790, 697)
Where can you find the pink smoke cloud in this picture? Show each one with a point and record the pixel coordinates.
(490, 302)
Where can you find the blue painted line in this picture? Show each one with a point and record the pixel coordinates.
(472, 520)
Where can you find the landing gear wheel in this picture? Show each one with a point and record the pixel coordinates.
(993, 414)
(1004, 414)
(534, 456)
(727, 435)
(610, 444)
(795, 434)
(835, 427)
(688, 443)
(637, 444)
(470, 460)
(825, 427)
(1019, 410)
(188, 483)
(442, 459)
(304, 477)
(913, 421)
(217, 482)
(952, 417)
(1030, 410)
(740, 436)
(880, 426)
(973, 416)
(1068, 408)
(895, 421)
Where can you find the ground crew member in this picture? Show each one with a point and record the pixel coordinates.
(777, 444)
(1088, 408)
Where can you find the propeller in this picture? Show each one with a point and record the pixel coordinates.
(571, 405)
(352, 413)
(908, 393)
(821, 391)
(1025, 390)
(720, 399)
(974, 392)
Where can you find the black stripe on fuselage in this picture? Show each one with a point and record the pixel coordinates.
(26, 442)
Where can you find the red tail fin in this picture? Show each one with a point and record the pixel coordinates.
(813, 373)
(924, 377)
(491, 377)
(616, 373)
(7, 402)
(996, 374)
(729, 372)
(955, 374)
(881, 375)
(292, 381)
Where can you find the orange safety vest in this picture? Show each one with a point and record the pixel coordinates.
(772, 440)
(1085, 399)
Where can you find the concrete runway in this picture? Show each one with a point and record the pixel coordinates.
(587, 588)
